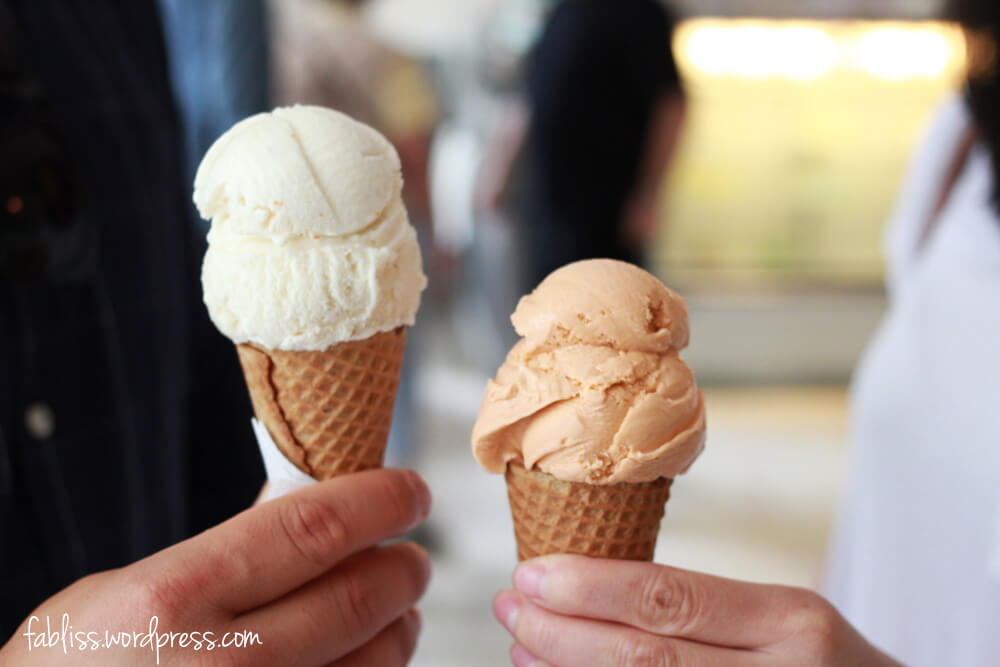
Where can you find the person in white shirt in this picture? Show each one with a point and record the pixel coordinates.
(915, 562)
(915, 566)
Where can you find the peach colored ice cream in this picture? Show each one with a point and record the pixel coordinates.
(595, 390)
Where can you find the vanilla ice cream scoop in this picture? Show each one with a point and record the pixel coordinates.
(310, 244)
(595, 390)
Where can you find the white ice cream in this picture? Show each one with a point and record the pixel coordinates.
(310, 243)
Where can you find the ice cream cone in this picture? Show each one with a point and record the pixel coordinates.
(600, 520)
(328, 411)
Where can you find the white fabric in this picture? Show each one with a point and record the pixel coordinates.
(915, 564)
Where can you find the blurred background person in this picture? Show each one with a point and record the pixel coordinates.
(604, 112)
(326, 53)
(583, 115)
(915, 564)
(123, 415)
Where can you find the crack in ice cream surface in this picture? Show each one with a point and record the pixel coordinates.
(595, 390)
(310, 243)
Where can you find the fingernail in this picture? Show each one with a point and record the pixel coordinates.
(506, 608)
(528, 579)
(421, 493)
(520, 656)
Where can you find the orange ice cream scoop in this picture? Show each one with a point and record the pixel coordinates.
(595, 390)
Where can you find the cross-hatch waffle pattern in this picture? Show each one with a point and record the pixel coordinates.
(606, 521)
(328, 411)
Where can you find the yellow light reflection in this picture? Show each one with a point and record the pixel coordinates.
(808, 50)
(899, 53)
(797, 134)
(757, 51)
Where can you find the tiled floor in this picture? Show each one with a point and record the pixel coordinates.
(757, 505)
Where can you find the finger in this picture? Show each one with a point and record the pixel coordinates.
(346, 607)
(393, 647)
(520, 657)
(660, 599)
(284, 543)
(563, 640)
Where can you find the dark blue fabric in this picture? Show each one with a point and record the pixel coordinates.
(593, 79)
(218, 54)
(151, 441)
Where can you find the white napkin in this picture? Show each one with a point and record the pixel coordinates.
(282, 475)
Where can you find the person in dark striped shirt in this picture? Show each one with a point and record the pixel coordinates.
(124, 422)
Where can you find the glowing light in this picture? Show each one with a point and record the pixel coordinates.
(757, 51)
(808, 50)
(897, 53)
(808, 53)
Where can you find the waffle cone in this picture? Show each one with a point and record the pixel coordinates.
(600, 520)
(328, 411)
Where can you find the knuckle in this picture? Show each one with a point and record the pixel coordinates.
(537, 632)
(816, 624)
(638, 650)
(94, 582)
(165, 596)
(668, 603)
(315, 529)
(356, 604)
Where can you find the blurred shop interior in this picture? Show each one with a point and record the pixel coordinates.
(800, 122)
(801, 117)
